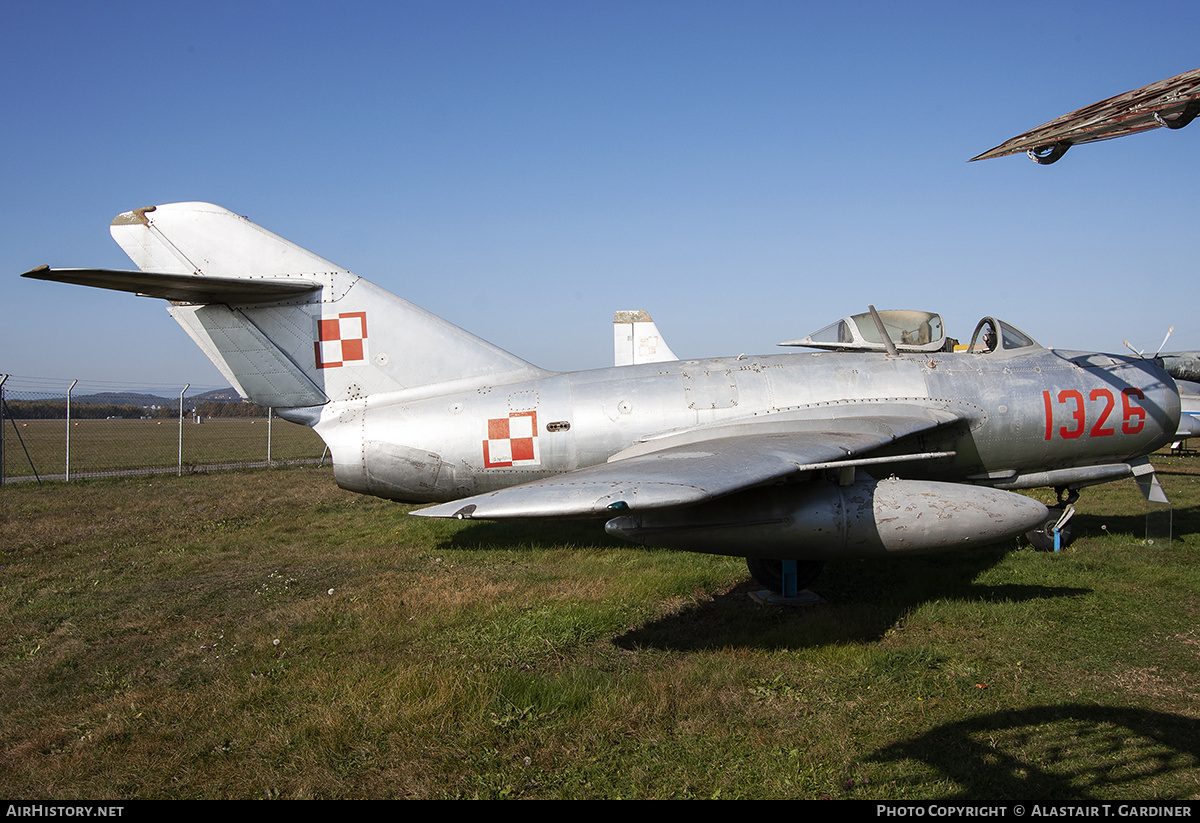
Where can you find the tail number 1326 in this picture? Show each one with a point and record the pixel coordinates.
(1098, 411)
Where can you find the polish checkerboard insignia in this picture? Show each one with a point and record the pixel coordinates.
(511, 441)
(341, 340)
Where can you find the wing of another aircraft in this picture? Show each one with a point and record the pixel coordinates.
(702, 464)
(1173, 103)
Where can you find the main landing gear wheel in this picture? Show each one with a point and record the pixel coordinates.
(1045, 155)
(769, 573)
(1042, 538)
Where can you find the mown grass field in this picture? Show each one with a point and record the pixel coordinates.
(40, 446)
(263, 634)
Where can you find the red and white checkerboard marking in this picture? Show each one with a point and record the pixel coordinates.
(341, 340)
(511, 441)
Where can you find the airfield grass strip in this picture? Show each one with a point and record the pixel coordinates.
(122, 446)
(263, 634)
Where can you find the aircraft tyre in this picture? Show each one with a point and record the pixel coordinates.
(769, 573)
(1042, 538)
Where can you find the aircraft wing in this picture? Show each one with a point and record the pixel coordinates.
(1172, 103)
(700, 465)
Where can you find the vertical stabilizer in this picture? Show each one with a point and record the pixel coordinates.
(636, 340)
(343, 339)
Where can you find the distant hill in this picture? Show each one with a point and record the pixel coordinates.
(215, 403)
(123, 398)
(228, 395)
(146, 401)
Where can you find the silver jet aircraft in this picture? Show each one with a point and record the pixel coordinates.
(884, 441)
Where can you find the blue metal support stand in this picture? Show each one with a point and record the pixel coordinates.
(789, 589)
(789, 578)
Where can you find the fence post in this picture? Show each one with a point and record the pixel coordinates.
(3, 377)
(185, 388)
(67, 472)
(270, 414)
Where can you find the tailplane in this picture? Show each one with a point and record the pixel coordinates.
(287, 328)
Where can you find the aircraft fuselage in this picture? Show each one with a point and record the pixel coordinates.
(1023, 415)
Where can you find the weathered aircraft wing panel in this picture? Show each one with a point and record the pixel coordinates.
(1172, 103)
(683, 471)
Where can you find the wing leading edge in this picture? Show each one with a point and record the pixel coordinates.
(700, 465)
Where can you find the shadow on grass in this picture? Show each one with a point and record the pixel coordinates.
(862, 600)
(1068, 752)
(514, 535)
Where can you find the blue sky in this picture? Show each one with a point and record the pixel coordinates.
(747, 172)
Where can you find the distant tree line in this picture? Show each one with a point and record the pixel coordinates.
(57, 410)
(236, 408)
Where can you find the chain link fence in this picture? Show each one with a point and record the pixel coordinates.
(77, 429)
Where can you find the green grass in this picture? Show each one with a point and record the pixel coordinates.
(264, 634)
(127, 445)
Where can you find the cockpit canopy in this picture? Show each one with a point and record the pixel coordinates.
(916, 331)
(992, 335)
(913, 331)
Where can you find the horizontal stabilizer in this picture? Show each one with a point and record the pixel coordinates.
(182, 288)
